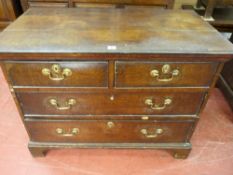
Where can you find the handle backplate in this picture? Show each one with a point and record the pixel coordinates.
(166, 74)
(166, 102)
(56, 73)
(153, 134)
(62, 132)
(66, 106)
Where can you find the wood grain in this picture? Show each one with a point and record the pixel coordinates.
(137, 74)
(128, 102)
(84, 30)
(84, 74)
(98, 131)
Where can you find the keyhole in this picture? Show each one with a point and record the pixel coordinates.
(112, 98)
(166, 68)
(56, 68)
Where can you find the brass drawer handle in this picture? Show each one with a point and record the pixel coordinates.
(166, 75)
(73, 132)
(56, 73)
(68, 104)
(149, 102)
(157, 132)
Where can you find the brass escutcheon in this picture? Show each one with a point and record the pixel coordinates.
(110, 124)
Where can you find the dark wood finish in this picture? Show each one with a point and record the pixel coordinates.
(95, 3)
(128, 103)
(96, 131)
(9, 11)
(137, 74)
(165, 57)
(178, 150)
(181, 153)
(38, 151)
(112, 117)
(112, 89)
(84, 74)
(96, 35)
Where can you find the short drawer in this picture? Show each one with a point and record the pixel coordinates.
(94, 103)
(152, 74)
(78, 74)
(97, 131)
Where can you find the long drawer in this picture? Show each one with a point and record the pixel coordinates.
(99, 131)
(151, 102)
(62, 74)
(48, 4)
(155, 74)
(125, 2)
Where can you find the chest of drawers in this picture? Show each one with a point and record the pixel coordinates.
(111, 78)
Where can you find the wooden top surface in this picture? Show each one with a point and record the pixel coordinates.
(124, 31)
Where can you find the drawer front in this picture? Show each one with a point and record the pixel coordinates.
(127, 2)
(152, 74)
(108, 131)
(51, 1)
(130, 103)
(94, 5)
(47, 4)
(81, 74)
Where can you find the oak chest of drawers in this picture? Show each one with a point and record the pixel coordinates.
(111, 78)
